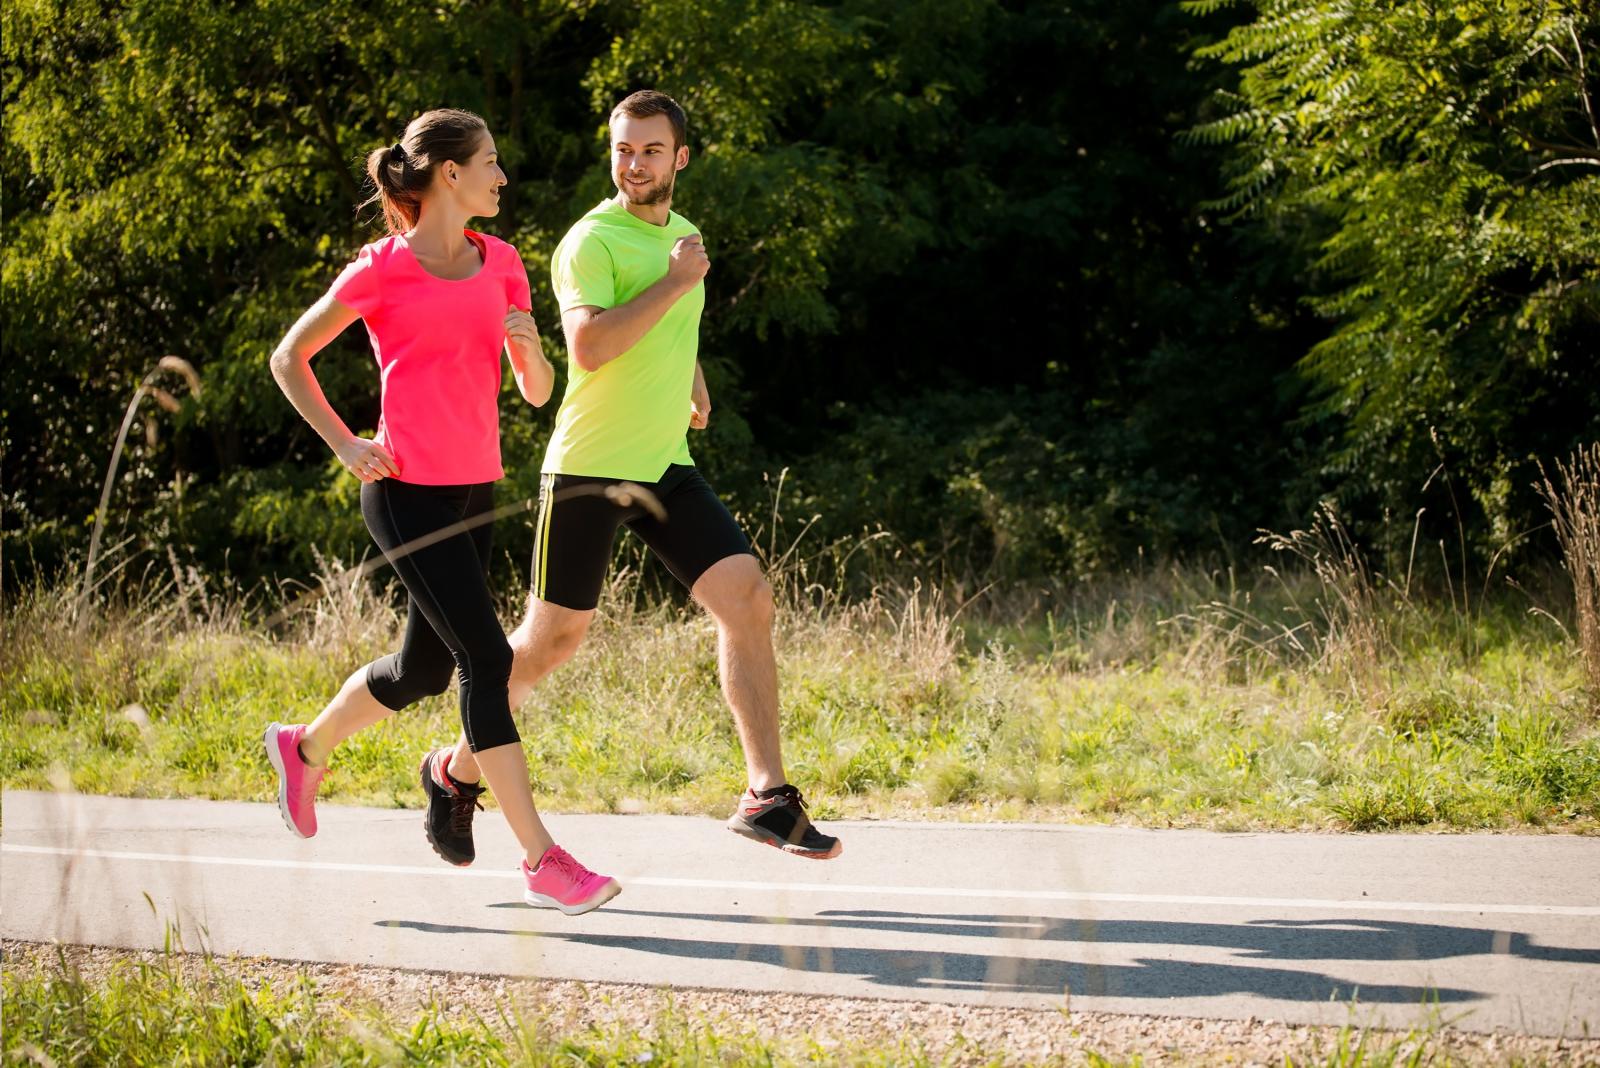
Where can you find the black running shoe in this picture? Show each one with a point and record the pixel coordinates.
(448, 821)
(781, 821)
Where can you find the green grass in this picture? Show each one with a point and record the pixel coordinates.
(176, 1008)
(1124, 703)
(172, 1011)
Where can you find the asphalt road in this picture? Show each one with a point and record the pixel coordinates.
(1475, 931)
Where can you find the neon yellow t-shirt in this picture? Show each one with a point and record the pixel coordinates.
(630, 418)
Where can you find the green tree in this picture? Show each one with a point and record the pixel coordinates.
(180, 177)
(1443, 164)
(963, 280)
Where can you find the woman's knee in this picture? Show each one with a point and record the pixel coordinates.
(485, 711)
(491, 662)
(397, 682)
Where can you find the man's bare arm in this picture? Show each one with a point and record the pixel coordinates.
(699, 401)
(596, 336)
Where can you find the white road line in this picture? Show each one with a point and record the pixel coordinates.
(853, 890)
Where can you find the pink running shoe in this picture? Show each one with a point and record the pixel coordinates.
(561, 882)
(297, 780)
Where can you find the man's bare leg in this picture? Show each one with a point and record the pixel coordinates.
(739, 598)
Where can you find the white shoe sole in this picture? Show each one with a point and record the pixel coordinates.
(544, 901)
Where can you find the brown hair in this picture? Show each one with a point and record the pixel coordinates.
(648, 102)
(402, 172)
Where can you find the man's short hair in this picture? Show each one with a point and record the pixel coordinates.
(648, 102)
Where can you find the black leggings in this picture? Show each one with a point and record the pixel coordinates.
(450, 618)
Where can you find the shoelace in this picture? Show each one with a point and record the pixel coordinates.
(461, 808)
(790, 798)
(567, 864)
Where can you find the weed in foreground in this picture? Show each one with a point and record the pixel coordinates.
(178, 1009)
(1575, 508)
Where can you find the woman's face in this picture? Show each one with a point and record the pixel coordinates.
(476, 182)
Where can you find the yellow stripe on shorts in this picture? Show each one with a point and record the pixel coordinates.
(541, 550)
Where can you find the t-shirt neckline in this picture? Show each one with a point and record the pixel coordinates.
(610, 204)
(472, 236)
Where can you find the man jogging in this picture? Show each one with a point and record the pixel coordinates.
(628, 277)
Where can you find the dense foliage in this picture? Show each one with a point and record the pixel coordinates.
(1035, 286)
(1445, 160)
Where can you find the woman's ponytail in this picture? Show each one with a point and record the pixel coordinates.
(400, 173)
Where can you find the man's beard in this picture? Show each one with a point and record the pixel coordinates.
(655, 194)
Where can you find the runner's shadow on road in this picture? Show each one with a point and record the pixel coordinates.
(1000, 973)
(1319, 939)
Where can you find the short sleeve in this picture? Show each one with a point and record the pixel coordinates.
(581, 273)
(518, 292)
(357, 284)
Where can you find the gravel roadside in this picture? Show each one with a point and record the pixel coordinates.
(959, 1035)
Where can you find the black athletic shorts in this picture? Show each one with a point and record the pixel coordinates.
(679, 518)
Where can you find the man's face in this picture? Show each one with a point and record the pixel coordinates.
(643, 162)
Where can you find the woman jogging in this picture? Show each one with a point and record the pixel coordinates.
(440, 303)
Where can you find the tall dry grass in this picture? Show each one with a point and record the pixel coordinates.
(1574, 503)
(1354, 604)
(1166, 695)
(1328, 611)
(147, 388)
(341, 608)
(139, 601)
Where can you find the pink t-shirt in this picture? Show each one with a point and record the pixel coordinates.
(438, 344)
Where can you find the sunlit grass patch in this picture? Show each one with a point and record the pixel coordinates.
(1124, 713)
(193, 1010)
(72, 1005)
